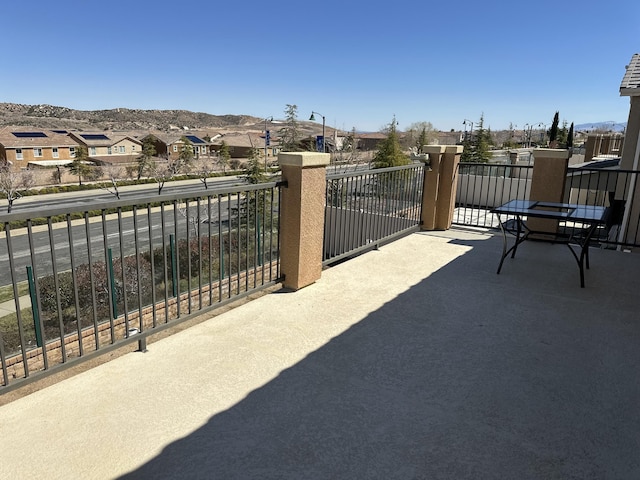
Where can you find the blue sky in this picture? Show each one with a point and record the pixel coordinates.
(356, 63)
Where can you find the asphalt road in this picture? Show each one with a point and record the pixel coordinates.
(100, 196)
(124, 233)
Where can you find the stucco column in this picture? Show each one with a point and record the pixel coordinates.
(430, 186)
(631, 160)
(302, 217)
(547, 183)
(447, 187)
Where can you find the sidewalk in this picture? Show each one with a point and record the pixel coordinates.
(9, 307)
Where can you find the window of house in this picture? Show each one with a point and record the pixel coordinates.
(18, 154)
(109, 151)
(121, 148)
(175, 148)
(72, 152)
(92, 151)
(133, 148)
(55, 152)
(37, 152)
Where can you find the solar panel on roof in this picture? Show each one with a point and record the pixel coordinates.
(94, 136)
(29, 134)
(193, 139)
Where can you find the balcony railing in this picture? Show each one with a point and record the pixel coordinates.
(90, 278)
(366, 209)
(482, 187)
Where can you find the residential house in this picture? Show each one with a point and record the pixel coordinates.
(169, 145)
(33, 148)
(241, 143)
(370, 141)
(108, 148)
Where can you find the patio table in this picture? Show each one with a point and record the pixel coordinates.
(582, 220)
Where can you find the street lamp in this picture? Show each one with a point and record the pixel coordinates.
(267, 139)
(465, 123)
(312, 118)
(528, 129)
(543, 131)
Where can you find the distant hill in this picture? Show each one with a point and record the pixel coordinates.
(49, 116)
(606, 126)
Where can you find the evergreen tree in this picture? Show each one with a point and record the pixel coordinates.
(290, 133)
(570, 137)
(483, 143)
(185, 156)
(418, 135)
(422, 140)
(389, 153)
(80, 166)
(477, 147)
(224, 155)
(563, 133)
(146, 157)
(254, 173)
(553, 131)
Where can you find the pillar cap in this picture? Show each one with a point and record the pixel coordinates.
(303, 159)
(433, 149)
(550, 153)
(454, 149)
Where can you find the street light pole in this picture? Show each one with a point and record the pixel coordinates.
(465, 123)
(266, 140)
(543, 134)
(324, 143)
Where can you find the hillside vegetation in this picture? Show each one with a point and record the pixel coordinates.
(49, 116)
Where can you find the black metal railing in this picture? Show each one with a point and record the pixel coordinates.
(482, 187)
(612, 188)
(366, 209)
(87, 279)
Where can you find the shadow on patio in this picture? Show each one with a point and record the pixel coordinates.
(414, 361)
(466, 374)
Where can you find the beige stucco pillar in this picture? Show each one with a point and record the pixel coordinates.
(302, 217)
(447, 186)
(547, 183)
(631, 161)
(430, 186)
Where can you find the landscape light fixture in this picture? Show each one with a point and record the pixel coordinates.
(313, 119)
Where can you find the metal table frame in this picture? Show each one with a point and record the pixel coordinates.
(589, 217)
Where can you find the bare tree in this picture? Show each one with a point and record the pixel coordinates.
(198, 213)
(113, 173)
(162, 172)
(418, 135)
(12, 183)
(203, 167)
(348, 153)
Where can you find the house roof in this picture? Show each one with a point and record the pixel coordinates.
(171, 138)
(630, 85)
(255, 140)
(102, 139)
(373, 135)
(92, 139)
(30, 138)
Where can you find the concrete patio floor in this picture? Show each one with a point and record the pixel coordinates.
(413, 361)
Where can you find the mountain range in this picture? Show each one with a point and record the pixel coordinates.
(49, 116)
(53, 117)
(606, 126)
